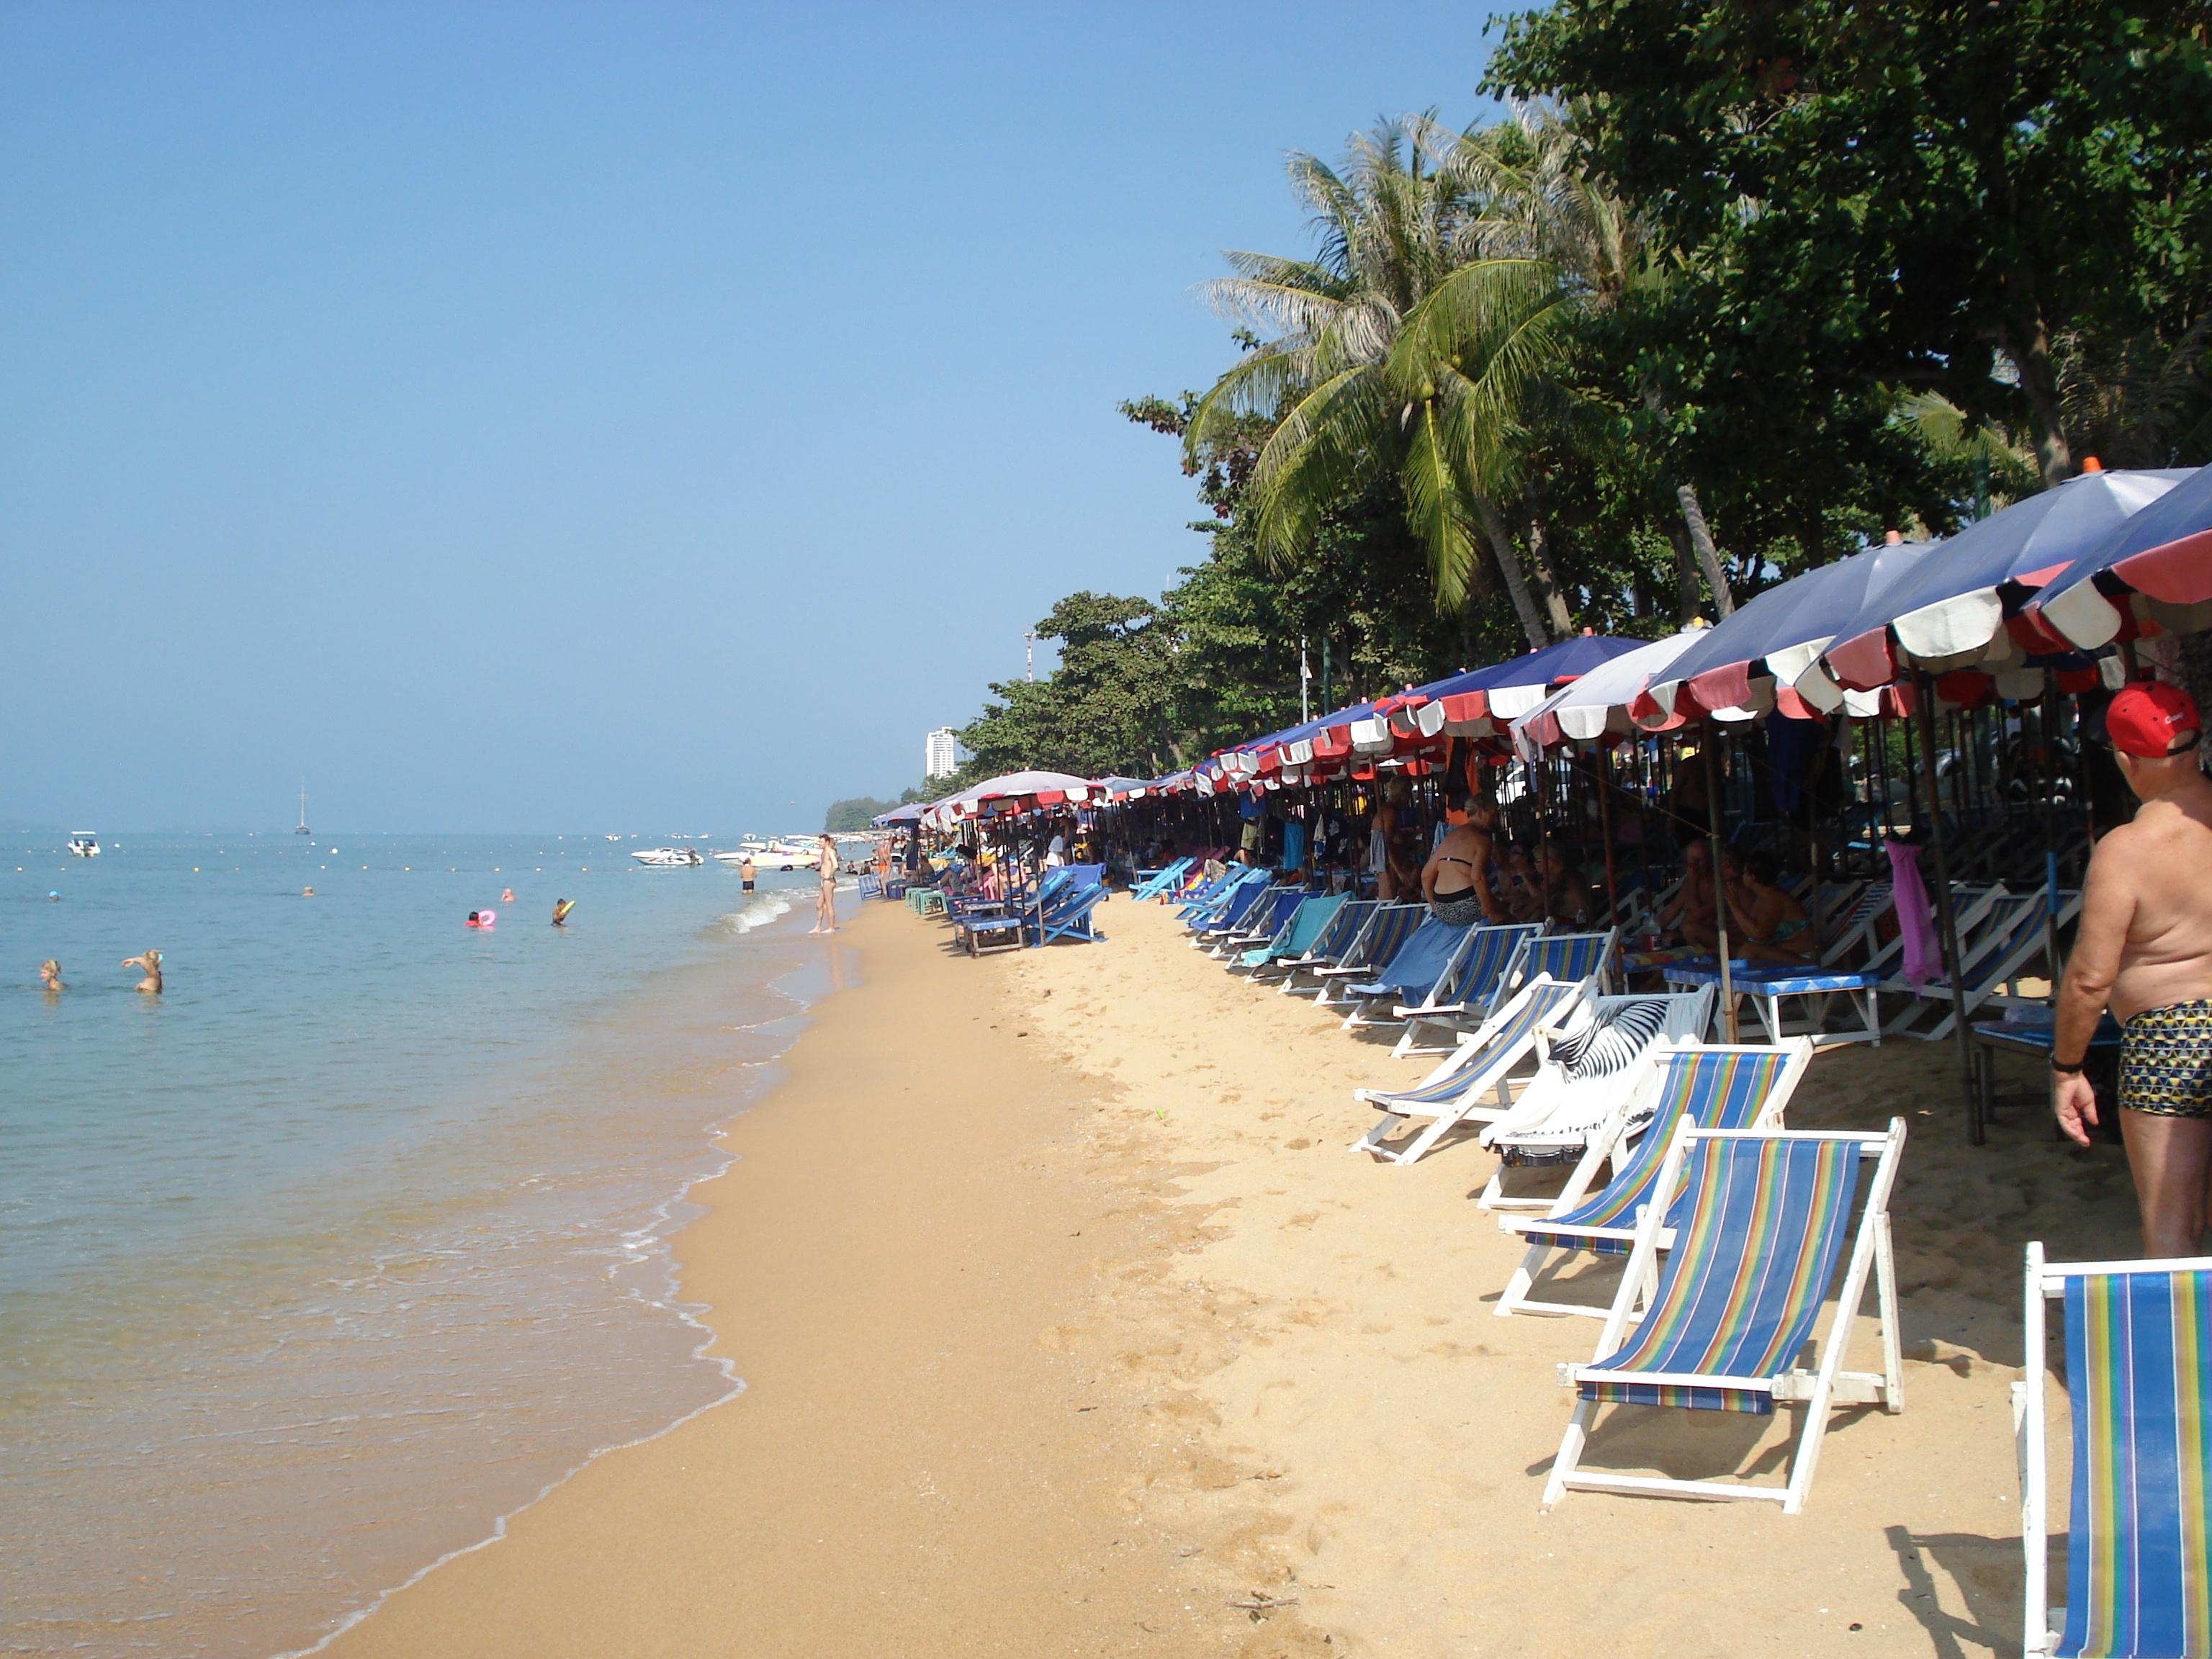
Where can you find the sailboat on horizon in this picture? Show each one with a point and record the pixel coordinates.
(303, 830)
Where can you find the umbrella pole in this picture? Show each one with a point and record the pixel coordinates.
(1720, 887)
(1946, 917)
(1605, 828)
(2047, 781)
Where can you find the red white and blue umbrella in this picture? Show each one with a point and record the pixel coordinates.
(1949, 611)
(1479, 703)
(1599, 702)
(2156, 566)
(1785, 629)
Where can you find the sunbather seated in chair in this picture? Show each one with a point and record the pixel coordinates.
(1689, 918)
(1773, 926)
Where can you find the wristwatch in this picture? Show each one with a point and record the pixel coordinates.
(2063, 1069)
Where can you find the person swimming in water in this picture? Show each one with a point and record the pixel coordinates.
(561, 909)
(50, 975)
(307, 892)
(473, 920)
(150, 961)
(506, 895)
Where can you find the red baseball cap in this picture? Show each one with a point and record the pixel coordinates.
(2149, 717)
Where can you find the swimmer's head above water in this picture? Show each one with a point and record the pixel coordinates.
(50, 975)
(150, 961)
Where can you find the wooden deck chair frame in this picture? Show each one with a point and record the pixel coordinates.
(1609, 1148)
(1482, 1066)
(2045, 1625)
(1819, 1390)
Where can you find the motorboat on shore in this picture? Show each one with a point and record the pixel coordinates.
(668, 858)
(83, 844)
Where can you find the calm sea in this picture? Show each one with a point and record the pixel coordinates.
(356, 1239)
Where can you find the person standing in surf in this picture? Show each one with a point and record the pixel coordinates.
(825, 902)
(150, 961)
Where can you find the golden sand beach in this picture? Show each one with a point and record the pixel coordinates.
(1071, 1325)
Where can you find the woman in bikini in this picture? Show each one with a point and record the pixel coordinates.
(1462, 860)
(1772, 926)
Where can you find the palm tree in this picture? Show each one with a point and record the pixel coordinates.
(1356, 396)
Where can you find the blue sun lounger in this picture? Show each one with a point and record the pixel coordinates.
(1766, 1212)
(1261, 922)
(1385, 934)
(1767, 983)
(1429, 952)
(1160, 880)
(2139, 1380)
(1711, 1086)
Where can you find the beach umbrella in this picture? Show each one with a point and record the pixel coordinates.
(1599, 701)
(1472, 704)
(910, 813)
(1949, 610)
(1786, 627)
(2156, 564)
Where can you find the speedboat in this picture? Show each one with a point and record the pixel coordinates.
(668, 858)
(785, 853)
(83, 844)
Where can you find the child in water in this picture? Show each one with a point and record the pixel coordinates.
(150, 961)
(50, 975)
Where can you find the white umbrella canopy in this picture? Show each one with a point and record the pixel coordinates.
(1600, 699)
(1948, 611)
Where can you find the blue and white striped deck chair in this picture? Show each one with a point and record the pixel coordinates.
(1385, 934)
(1712, 1086)
(2012, 934)
(1854, 929)
(1228, 915)
(1766, 1213)
(1208, 890)
(1428, 954)
(1565, 955)
(1970, 905)
(1295, 937)
(1472, 1085)
(2139, 1383)
(1202, 914)
(1337, 936)
(1160, 880)
(1470, 989)
(1262, 922)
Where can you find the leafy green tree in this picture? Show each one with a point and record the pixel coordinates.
(1106, 708)
(845, 816)
(1926, 195)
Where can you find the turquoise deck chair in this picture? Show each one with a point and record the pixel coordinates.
(1295, 937)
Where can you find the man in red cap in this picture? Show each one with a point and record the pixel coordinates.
(2145, 947)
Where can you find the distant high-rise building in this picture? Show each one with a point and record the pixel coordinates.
(940, 753)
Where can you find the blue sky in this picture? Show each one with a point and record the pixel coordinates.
(635, 417)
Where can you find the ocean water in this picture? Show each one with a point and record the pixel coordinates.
(357, 1239)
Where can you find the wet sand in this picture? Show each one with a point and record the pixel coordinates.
(1071, 1324)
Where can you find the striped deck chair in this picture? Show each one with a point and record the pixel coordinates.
(1295, 937)
(1432, 952)
(1767, 1213)
(1469, 989)
(1239, 889)
(1204, 890)
(1472, 1085)
(2139, 1380)
(1715, 1087)
(1564, 956)
(1228, 916)
(1160, 880)
(1970, 906)
(1261, 922)
(1336, 936)
(1586, 1064)
(1384, 936)
(1855, 929)
(2013, 935)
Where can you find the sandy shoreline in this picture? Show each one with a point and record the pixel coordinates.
(1070, 1324)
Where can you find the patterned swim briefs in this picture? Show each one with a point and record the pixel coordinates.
(2166, 1060)
(1462, 909)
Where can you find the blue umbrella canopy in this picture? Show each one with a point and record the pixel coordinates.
(1948, 611)
(2163, 554)
(1787, 627)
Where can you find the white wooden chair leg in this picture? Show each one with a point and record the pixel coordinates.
(1524, 1276)
(1571, 1453)
(1893, 1354)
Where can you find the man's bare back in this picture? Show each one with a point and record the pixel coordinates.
(2158, 871)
